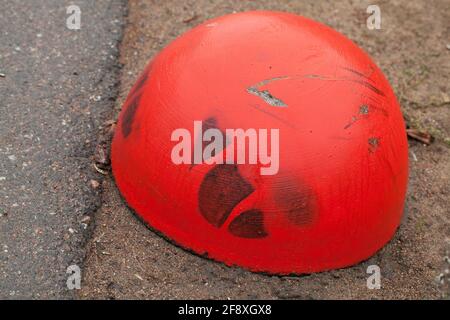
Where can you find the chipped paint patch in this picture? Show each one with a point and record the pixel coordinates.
(267, 97)
(374, 143)
(364, 109)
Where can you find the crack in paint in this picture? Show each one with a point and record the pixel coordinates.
(274, 116)
(267, 81)
(275, 102)
(361, 82)
(363, 111)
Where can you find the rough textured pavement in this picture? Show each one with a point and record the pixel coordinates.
(126, 260)
(58, 89)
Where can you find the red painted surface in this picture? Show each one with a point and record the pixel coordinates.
(340, 190)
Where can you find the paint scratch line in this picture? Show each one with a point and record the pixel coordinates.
(274, 116)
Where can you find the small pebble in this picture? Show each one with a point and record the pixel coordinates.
(86, 219)
(94, 184)
(139, 277)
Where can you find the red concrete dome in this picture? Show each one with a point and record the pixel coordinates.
(322, 179)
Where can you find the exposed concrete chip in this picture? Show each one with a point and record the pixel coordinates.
(267, 97)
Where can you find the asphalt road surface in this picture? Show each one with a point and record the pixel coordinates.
(126, 260)
(57, 87)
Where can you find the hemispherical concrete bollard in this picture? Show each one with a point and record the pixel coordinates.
(265, 140)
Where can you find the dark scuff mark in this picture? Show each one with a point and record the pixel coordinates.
(297, 201)
(348, 125)
(139, 84)
(220, 191)
(369, 86)
(374, 143)
(267, 97)
(249, 224)
(274, 116)
(209, 123)
(359, 73)
(355, 72)
(129, 115)
(132, 104)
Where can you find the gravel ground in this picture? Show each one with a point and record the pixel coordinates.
(126, 260)
(58, 87)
